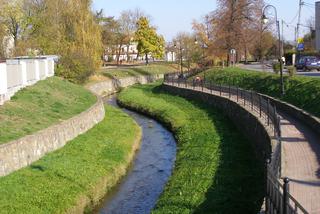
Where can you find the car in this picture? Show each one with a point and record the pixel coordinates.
(313, 65)
(307, 63)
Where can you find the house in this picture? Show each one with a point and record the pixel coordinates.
(130, 53)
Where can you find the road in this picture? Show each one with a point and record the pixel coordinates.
(264, 68)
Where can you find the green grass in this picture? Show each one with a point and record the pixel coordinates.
(56, 182)
(134, 71)
(215, 170)
(37, 107)
(303, 92)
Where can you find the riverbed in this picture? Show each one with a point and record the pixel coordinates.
(140, 189)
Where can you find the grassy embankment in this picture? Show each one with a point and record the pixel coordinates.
(76, 175)
(132, 71)
(37, 107)
(303, 92)
(215, 169)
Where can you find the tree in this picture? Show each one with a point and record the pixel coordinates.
(187, 50)
(69, 29)
(204, 37)
(12, 18)
(128, 23)
(112, 36)
(148, 40)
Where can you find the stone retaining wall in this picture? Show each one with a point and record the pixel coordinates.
(248, 123)
(22, 152)
(112, 86)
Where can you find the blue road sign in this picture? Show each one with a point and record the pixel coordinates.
(300, 47)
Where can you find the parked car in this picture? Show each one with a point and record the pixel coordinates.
(315, 65)
(307, 63)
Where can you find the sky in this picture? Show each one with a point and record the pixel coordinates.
(174, 16)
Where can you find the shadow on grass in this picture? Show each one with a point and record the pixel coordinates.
(238, 183)
(140, 71)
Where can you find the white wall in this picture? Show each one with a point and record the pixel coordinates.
(21, 72)
(170, 56)
(3, 82)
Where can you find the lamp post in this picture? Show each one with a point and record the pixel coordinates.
(181, 58)
(203, 47)
(265, 20)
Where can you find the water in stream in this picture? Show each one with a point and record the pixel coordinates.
(140, 189)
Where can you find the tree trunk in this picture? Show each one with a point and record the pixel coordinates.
(246, 54)
(147, 60)
(128, 54)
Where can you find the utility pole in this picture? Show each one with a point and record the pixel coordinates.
(299, 19)
(317, 25)
(282, 38)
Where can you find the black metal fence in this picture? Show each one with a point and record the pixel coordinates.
(278, 198)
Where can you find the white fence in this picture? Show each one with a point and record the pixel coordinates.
(21, 72)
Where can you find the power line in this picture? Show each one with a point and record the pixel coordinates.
(294, 18)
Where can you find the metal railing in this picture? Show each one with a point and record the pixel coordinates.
(278, 198)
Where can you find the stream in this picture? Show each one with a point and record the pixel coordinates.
(140, 189)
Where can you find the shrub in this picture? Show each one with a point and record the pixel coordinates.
(76, 68)
(276, 67)
(292, 70)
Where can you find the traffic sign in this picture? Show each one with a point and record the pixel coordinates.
(300, 47)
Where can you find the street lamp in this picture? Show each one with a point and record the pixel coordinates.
(265, 20)
(180, 50)
(202, 46)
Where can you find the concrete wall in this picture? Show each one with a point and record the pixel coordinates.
(43, 68)
(248, 123)
(112, 86)
(22, 152)
(3, 82)
(32, 67)
(21, 72)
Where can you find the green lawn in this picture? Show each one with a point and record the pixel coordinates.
(84, 169)
(303, 92)
(215, 170)
(133, 71)
(37, 107)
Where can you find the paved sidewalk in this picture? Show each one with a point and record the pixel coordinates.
(301, 162)
(301, 158)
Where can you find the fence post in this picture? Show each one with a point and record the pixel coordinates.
(268, 112)
(279, 127)
(251, 100)
(210, 87)
(193, 84)
(260, 106)
(237, 94)
(220, 89)
(202, 82)
(280, 142)
(267, 186)
(185, 82)
(285, 195)
(275, 123)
